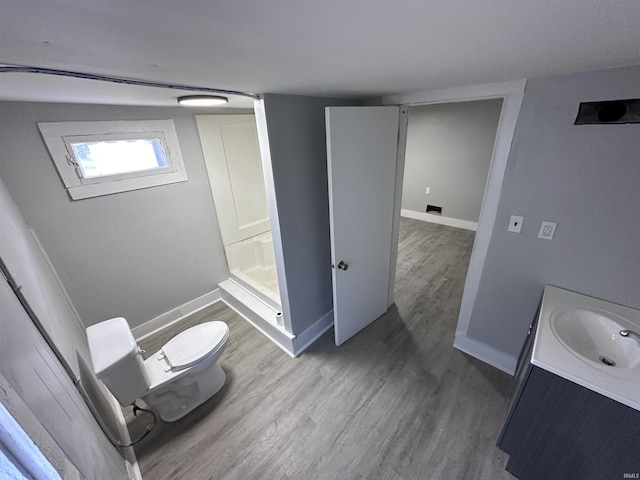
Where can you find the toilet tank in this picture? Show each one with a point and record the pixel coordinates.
(116, 360)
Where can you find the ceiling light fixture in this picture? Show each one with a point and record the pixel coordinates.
(202, 100)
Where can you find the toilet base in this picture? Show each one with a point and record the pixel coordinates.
(178, 398)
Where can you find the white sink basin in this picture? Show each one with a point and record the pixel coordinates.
(594, 335)
(578, 338)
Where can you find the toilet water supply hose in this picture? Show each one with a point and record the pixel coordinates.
(149, 427)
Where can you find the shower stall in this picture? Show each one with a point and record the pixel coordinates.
(252, 262)
(234, 167)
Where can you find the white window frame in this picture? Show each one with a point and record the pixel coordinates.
(59, 135)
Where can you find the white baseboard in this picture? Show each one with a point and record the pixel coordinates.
(311, 334)
(172, 316)
(485, 353)
(429, 217)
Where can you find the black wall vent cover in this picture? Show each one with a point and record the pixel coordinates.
(434, 209)
(609, 112)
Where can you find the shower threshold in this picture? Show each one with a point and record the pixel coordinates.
(258, 308)
(264, 293)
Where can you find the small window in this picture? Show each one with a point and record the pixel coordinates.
(101, 158)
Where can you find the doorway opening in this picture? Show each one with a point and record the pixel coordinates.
(511, 94)
(450, 147)
(448, 154)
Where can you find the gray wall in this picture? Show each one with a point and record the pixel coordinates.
(135, 254)
(296, 128)
(449, 148)
(585, 178)
(33, 385)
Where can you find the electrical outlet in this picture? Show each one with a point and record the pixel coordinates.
(515, 224)
(547, 229)
(427, 190)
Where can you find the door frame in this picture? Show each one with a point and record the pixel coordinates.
(403, 124)
(511, 94)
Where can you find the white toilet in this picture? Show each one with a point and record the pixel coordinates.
(181, 376)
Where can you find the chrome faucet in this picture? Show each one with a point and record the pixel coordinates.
(630, 333)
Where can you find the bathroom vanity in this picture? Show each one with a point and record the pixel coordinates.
(575, 409)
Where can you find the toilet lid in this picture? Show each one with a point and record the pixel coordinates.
(195, 344)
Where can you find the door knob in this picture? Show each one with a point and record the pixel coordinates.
(342, 265)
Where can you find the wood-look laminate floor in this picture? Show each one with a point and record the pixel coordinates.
(395, 402)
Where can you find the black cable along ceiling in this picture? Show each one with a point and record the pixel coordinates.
(121, 80)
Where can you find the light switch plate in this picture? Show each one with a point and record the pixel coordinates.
(547, 229)
(427, 190)
(515, 224)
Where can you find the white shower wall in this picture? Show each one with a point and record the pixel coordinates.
(234, 167)
(254, 252)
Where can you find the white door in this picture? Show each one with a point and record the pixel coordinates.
(362, 147)
(234, 166)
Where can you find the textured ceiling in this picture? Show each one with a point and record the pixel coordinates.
(329, 47)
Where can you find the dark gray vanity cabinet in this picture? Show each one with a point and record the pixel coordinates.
(556, 429)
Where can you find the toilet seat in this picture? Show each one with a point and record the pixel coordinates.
(195, 344)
